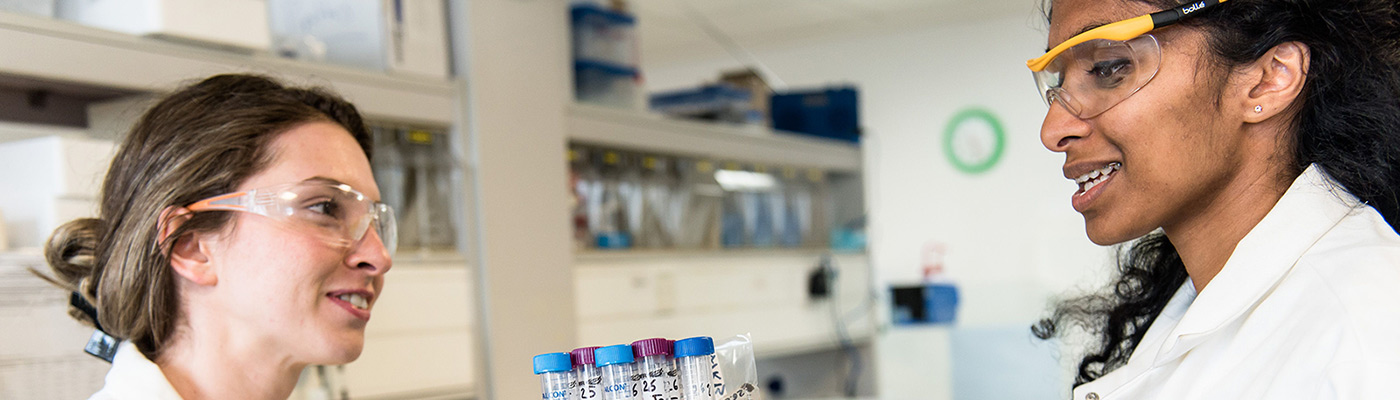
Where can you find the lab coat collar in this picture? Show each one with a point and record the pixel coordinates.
(134, 377)
(1311, 207)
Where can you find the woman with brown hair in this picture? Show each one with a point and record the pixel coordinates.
(239, 240)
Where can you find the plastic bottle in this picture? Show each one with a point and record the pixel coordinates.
(618, 373)
(588, 376)
(656, 187)
(734, 216)
(582, 174)
(629, 190)
(657, 368)
(940, 292)
(695, 359)
(607, 204)
(701, 201)
(556, 375)
(796, 216)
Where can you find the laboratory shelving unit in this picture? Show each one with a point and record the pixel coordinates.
(721, 292)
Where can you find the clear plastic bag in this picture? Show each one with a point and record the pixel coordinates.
(735, 373)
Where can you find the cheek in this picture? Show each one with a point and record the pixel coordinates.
(268, 262)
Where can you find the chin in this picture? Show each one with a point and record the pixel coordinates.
(340, 350)
(1103, 234)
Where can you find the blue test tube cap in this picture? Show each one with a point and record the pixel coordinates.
(615, 354)
(553, 362)
(696, 346)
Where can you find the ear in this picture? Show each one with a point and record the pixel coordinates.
(1281, 72)
(189, 257)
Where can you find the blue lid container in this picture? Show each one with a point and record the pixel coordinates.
(581, 13)
(696, 346)
(553, 362)
(615, 354)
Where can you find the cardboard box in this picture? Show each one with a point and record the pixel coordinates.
(384, 35)
(48, 182)
(235, 24)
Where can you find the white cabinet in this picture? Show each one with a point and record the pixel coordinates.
(626, 297)
(421, 339)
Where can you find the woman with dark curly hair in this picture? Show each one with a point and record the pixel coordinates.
(1250, 151)
(239, 240)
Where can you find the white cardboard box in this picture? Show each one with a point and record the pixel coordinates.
(43, 8)
(385, 35)
(240, 24)
(48, 181)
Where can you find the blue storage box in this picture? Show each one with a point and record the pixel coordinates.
(831, 113)
(603, 35)
(605, 84)
(711, 102)
(929, 303)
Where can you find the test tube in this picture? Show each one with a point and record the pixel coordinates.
(695, 357)
(618, 373)
(657, 369)
(589, 377)
(556, 375)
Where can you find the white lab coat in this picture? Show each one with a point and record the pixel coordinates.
(133, 377)
(1307, 307)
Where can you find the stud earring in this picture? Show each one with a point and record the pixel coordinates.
(1259, 109)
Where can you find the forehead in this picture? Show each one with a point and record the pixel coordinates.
(1072, 17)
(317, 149)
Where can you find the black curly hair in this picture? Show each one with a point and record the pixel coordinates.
(1347, 122)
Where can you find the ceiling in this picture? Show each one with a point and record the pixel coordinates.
(672, 30)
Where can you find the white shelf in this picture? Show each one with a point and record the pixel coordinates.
(47, 53)
(651, 132)
(643, 256)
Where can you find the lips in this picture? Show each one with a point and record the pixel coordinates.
(1091, 183)
(1093, 178)
(356, 302)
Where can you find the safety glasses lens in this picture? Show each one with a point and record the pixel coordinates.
(1096, 75)
(337, 213)
(387, 226)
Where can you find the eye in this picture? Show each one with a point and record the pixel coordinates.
(327, 208)
(1110, 73)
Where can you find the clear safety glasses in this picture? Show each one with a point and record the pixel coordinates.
(1095, 70)
(334, 213)
(1096, 75)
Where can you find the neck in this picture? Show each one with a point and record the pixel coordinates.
(217, 362)
(1206, 239)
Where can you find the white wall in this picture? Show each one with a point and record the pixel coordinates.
(1012, 238)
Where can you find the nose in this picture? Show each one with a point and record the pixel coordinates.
(370, 254)
(1061, 128)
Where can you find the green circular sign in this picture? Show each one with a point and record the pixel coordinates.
(974, 140)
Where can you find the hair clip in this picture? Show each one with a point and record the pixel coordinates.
(100, 344)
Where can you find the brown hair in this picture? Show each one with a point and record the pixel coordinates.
(200, 141)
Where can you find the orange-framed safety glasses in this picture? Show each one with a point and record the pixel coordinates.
(330, 211)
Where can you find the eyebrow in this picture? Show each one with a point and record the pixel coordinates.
(1086, 28)
(323, 179)
(334, 181)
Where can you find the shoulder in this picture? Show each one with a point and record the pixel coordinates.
(1352, 275)
(134, 377)
(1361, 253)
